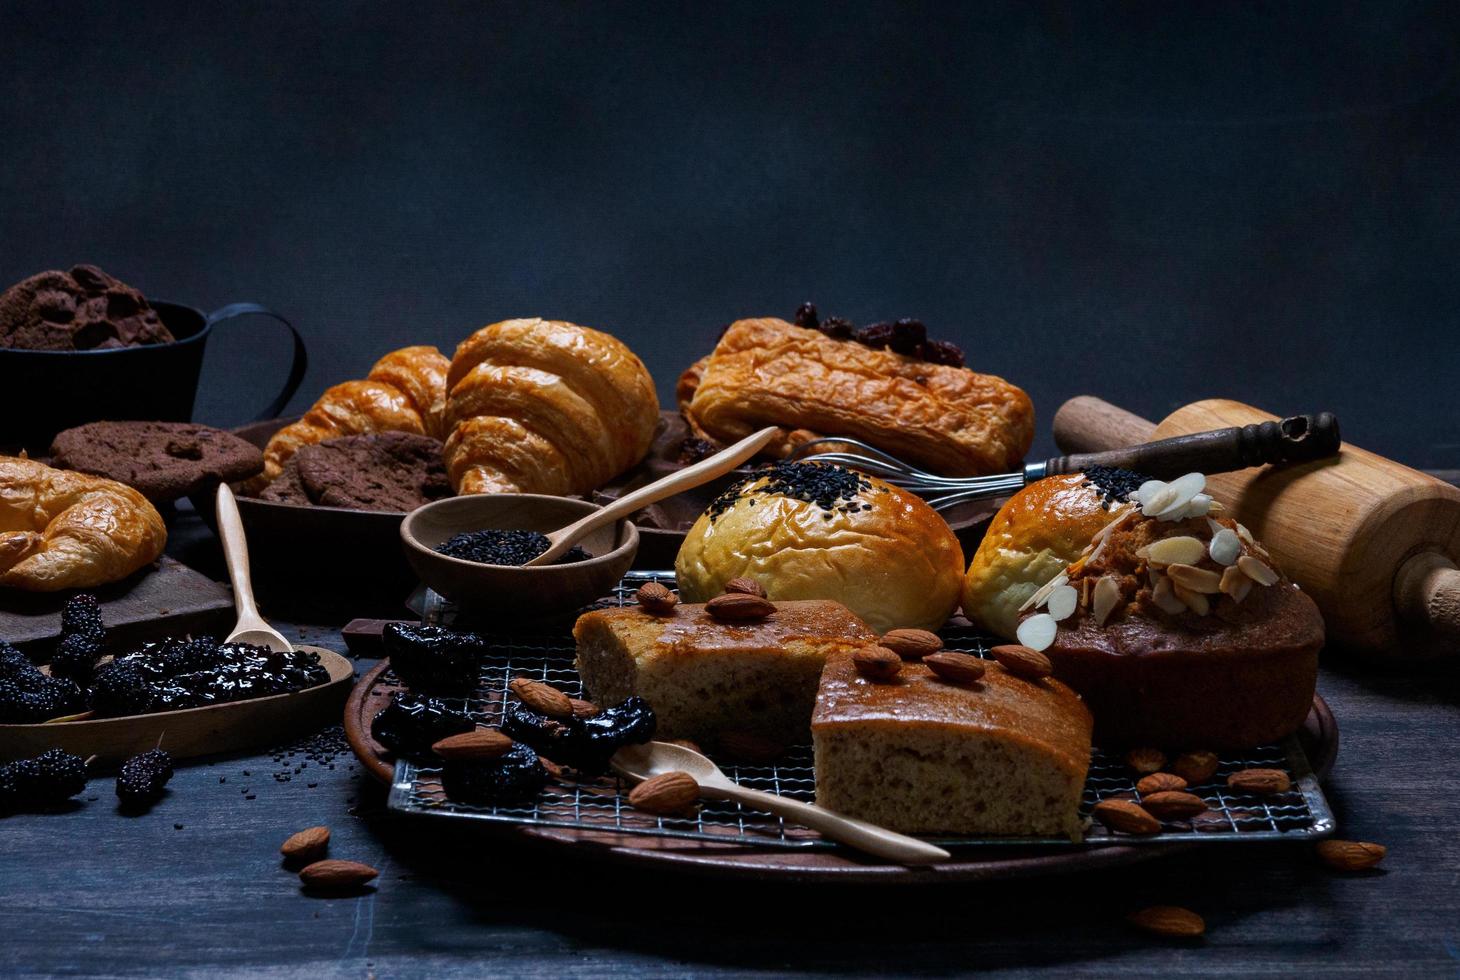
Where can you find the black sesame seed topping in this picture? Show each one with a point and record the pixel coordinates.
(1115, 485)
(495, 547)
(829, 487)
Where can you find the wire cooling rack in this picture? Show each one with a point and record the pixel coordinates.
(601, 803)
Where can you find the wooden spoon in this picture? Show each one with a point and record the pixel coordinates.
(251, 627)
(650, 759)
(691, 476)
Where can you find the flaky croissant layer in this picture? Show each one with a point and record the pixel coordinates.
(60, 529)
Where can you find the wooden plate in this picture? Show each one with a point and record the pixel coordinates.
(363, 550)
(192, 731)
(1319, 737)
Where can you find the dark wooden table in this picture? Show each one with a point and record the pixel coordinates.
(196, 886)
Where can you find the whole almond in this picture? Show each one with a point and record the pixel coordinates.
(667, 794)
(1350, 855)
(744, 746)
(1260, 782)
(1173, 804)
(1126, 817)
(656, 598)
(1145, 760)
(956, 668)
(1021, 661)
(877, 663)
(1194, 767)
(583, 709)
(1159, 782)
(739, 607)
(912, 644)
(1169, 920)
(484, 743)
(542, 698)
(336, 875)
(307, 845)
(745, 586)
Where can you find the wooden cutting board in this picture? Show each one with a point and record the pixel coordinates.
(168, 599)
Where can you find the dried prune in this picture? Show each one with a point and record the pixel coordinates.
(511, 778)
(433, 659)
(585, 744)
(412, 723)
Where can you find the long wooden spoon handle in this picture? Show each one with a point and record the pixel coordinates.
(854, 833)
(235, 553)
(677, 482)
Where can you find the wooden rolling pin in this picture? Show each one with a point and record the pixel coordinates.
(1374, 542)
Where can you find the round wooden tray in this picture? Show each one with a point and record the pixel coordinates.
(1319, 737)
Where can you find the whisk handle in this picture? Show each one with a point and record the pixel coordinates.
(1299, 438)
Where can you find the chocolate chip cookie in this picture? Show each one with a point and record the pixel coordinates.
(391, 471)
(162, 460)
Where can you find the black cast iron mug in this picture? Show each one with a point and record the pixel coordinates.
(43, 392)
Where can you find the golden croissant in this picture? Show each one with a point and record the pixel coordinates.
(769, 372)
(60, 529)
(404, 392)
(542, 406)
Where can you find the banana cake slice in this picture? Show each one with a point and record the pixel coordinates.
(704, 677)
(1002, 756)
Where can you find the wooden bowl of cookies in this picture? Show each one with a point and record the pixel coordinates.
(483, 590)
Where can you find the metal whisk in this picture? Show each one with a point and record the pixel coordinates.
(1295, 439)
(941, 492)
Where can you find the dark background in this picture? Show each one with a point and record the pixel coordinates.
(1152, 202)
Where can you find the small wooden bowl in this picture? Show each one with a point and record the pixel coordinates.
(521, 593)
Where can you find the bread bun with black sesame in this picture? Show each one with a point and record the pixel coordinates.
(816, 531)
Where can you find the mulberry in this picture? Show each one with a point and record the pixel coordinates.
(83, 638)
(29, 700)
(143, 778)
(46, 780)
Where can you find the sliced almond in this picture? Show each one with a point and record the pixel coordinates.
(1085, 585)
(1062, 602)
(1178, 493)
(1245, 534)
(1198, 506)
(1180, 550)
(1107, 594)
(1225, 547)
(1037, 632)
(1164, 596)
(1042, 593)
(1195, 601)
(1195, 579)
(1257, 571)
(1235, 584)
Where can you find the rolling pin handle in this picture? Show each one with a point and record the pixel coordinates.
(1427, 592)
(1086, 424)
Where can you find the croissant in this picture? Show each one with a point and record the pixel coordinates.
(769, 372)
(542, 406)
(60, 529)
(404, 392)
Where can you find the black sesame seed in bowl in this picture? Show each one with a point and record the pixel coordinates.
(504, 547)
